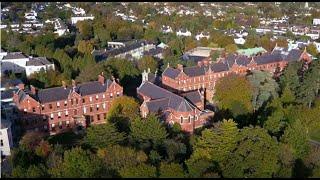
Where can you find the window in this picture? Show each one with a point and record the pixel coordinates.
(58, 104)
(91, 109)
(60, 125)
(196, 118)
(97, 107)
(42, 107)
(98, 117)
(33, 109)
(51, 116)
(67, 113)
(44, 117)
(83, 100)
(110, 95)
(97, 97)
(75, 112)
(84, 110)
(71, 102)
(181, 120)
(68, 123)
(90, 99)
(77, 101)
(104, 105)
(1, 142)
(118, 94)
(52, 125)
(59, 114)
(65, 103)
(189, 119)
(103, 96)
(50, 106)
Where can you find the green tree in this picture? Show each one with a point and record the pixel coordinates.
(85, 46)
(117, 157)
(256, 155)
(85, 29)
(297, 138)
(172, 170)
(148, 132)
(78, 163)
(139, 171)
(264, 88)
(103, 135)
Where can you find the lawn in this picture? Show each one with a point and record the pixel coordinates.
(68, 139)
(315, 135)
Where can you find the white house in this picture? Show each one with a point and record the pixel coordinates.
(14, 62)
(166, 29)
(316, 21)
(2, 54)
(239, 40)
(317, 46)
(17, 62)
(37, 64)
(5, 137)
(32, 15)
(313, 35)
(183, 32)
(75, 19)
(202, 35)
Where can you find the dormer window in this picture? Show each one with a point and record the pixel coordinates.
(58, 104)
(97, 97)
(90, 99)
(103, 96)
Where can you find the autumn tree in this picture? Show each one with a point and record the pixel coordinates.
(231, 48)
(139, 171)
(147, 62)
(228, 94)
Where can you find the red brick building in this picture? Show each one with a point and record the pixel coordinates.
(187, 110)
(205, 75)
(55, 110)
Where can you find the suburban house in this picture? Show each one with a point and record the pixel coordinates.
(58, 109)
(75, 19)
(183, 32)
(17, 62)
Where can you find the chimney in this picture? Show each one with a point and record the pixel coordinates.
(33, 90)
(101, 78)
(21, 86)
(64, 85)
(180, 67)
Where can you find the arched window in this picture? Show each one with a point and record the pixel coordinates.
(181, 119)
(189, 119)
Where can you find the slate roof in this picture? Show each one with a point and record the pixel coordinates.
(193, 96)
(171, 72)
(10, 82)
(187, 57)
(59, 93)
(294, 55)
(38, 61)
(194, 71)
(173, 101)
(268, 58)
(7, 94)
(127, 48)
(219, 67)
(14, 55)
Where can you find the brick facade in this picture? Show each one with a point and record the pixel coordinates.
(63, 114)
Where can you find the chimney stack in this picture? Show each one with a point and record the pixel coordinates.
(180, 67)
(64, 85)
(33, 90)
(21, 86)
(101, 78)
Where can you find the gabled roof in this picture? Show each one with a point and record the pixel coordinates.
(219, 67)
(15, 55)
(158, 95)
(171, 72)
(268, 58)
(60, 93)
(194, 71)
(294, 55)
(193, 96)
(38, 61)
